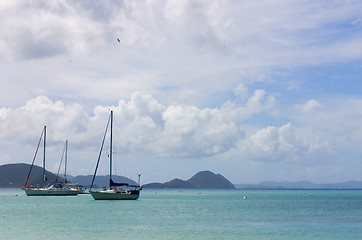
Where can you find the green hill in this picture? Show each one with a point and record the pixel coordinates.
(14, 175)
(209, 180)
(178, 183)
(201, 180)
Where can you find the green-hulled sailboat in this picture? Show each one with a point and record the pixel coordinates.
(116, 191)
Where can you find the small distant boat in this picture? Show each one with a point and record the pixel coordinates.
(116, 191)
(55, 189)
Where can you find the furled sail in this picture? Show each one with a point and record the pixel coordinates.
(113, 184)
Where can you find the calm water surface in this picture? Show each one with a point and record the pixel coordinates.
(186, 214)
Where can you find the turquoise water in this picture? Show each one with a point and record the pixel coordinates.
(186, 214)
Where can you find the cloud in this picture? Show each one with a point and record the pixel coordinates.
(218, 69)
(336, 124)
(24, 124)
(269, 29)
(241, 91)
(319, 134)
(49, 29)
(184, 49)
(145, 126)
(39, 34)
(176, 130)
(273, 144)
(193, 132)
(309, 106)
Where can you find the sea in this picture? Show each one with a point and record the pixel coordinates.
(185, 214)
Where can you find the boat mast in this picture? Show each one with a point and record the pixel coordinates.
(110, 149)
(66, 158)
(45, 134)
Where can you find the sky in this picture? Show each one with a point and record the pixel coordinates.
(266, 90)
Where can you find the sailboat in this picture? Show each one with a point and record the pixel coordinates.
(65, 185)
(116, 191)
(55, 189)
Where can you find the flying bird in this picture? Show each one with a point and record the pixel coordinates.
(118, 40)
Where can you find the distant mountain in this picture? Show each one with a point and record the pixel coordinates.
(14, 175)
(100, 181)
(209, 180)
(178, 183)
(201, 180)
(301, 185)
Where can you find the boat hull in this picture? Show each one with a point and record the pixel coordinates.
(110, 195)
(47, 192)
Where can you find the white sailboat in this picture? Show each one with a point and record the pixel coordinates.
(65, 185)
(116, 191)
(55, 189)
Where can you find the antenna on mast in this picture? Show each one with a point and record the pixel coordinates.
(139, 178)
